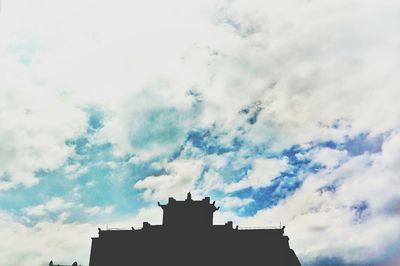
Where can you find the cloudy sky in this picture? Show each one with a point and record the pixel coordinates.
(282, 111)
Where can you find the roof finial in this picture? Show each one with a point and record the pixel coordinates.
(189, 196)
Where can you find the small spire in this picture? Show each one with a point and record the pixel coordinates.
(189, 196)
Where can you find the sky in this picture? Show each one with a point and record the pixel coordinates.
(283, 112)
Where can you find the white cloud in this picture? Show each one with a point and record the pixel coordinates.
(180, 179)
(63, 216)
(33, 132)
(91, 184)
(391, 153)
(318, 220)
(231, 202)
(51, 206)
(152, 215)
(73, 171)
(261, 175)
(47, 241)
(212, 180)
(328, 157)
(44, 242)
(99, 210)
(231, 52)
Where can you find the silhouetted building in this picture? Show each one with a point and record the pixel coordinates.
(188, 237)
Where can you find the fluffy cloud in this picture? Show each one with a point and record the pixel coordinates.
(180, 178)
(231, 202)
(52, 205)
(44, 242)
(261, 175)
(96, 210)
(233, 54)
(351, 210)
(33, 133)
(328, 157)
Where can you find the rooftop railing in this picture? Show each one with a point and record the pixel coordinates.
(73, 264)
(259, 227)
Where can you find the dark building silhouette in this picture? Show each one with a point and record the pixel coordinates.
(188, 237)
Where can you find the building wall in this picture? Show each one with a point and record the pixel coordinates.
(188, 247)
